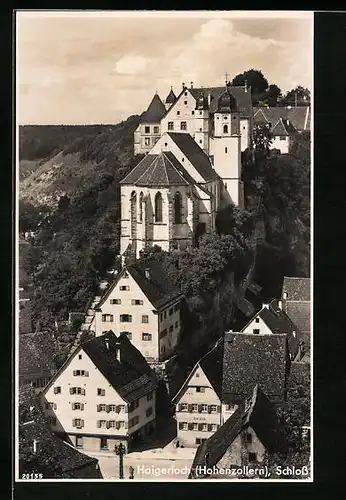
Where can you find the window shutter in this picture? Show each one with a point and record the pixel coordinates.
(180, 425)
(210, 427)
(189, 408)
(117, 425)
(71, 390)
(86, 373)
(209, 408)
(199, 408)
(126, 409)
(73, 423)
(190, 426)
(82, 423)
(118, 409)
(179, 407)
(82, 406)
(98, 408)
(83, 392)
(107, 425)
(108, 408)
(200, 427)
(126, 425)
(99, 423)
(74, 372)
(55, 390)
(218, 408)
(55, 406)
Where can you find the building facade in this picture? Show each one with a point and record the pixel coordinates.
(143, 304)
(102, 396)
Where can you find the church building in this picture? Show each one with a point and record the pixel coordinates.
(190, 171)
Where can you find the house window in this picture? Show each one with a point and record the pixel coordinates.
(192, 112)
(147, 141)
(147, 130)
(194, 426)
(161, 317)
(102, 407)
(77, 390)
(137, 302)
(145, 318)
(204, 408)
(163, 333)
(78, 406)
(125, 318)
(149, 396)
(200, 141)
(285, 295)
(257, 320)
(80, 373)
(107, 318)
(103, 443)
(78, 422)
(101, 392)
(183, 426)
(165, 314)
(149, 412)
(183, 125)
(124, 288)
(225, 129)
(183, 407)
(79, 441)
(213, 427)
(111, 424)
(282, 138)
(128, 335)
(226, 150)
(176, 307)
(194, 408)
(252, 457)
(176, 324)
(204, 427)
(57, 390)
(158, 207)
(200, 112)
(79, 356)
(156, 130)
(256, 331)
(248, 437)
(171, 311)
(146, 336)
(171, 329)
(200, 389)
(112, 408)
(197, 375)
(243, 128)
(170, 126)
(213, 408)
(115, 301)
(177, 208)
(141, 207)
(185, 93)
(178, 112)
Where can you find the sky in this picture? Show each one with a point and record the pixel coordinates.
(101, 67)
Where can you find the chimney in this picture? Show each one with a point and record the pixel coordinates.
(183, 85)
(294, 334)
(147, 274)
(107, 343)
(34, 446)
(117, 351)
(209, 98)
(280, 304)
(245, 85)
(191, 84)
(288, 122)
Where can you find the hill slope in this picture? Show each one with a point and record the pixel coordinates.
(75, 157)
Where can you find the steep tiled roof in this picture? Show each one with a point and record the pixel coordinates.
(159, 288)
(171, 98)
(299, 116)
(278, 322)
(296, 288)
(36, 356)
(131, 377)
(158, 170)
(155, 111)
(194, 154)
(242, 97)
(251, 359)
(70, 463)
(257, 413)
(211, 365)
(299, 313)
(283, 128)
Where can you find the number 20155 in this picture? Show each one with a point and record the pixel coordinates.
(32, 475)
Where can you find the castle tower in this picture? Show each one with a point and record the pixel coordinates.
(201, 126)
(170, 99)
(225, 147)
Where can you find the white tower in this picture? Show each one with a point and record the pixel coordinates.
(201, 125)
(226, 147)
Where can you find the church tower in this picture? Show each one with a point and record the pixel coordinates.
(226, 147)
(170, 99)
(201, 128)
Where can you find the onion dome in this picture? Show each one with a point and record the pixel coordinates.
(227, 103)
(202, 102)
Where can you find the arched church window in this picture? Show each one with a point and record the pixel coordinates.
(177, 208)
(225, 129)
(158, 207)
(141, 207)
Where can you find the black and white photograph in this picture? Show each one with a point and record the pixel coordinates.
(164, 193)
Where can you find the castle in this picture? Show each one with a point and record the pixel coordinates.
(192, 166)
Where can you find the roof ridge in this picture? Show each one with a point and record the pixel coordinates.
(146, 170)
(164, 166)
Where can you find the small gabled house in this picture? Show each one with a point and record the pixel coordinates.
(198, 402)
(149, 129)
(243, 439)
(251, 359)
(36, 359)
(144, 304)
(283, 133)
(296, 301)
(103, 395)
(272, 320)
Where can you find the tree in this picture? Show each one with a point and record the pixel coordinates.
(253, 78)
(263, 138)
(299, 96)
(273, 95)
